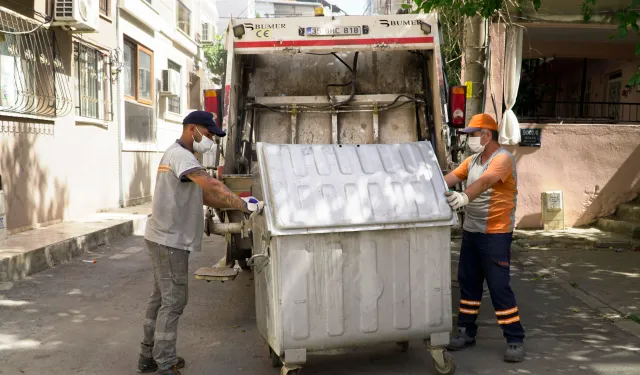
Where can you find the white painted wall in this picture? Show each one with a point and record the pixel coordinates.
(154, 26)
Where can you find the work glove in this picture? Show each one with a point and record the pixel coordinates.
(456, 200)
(254, 206)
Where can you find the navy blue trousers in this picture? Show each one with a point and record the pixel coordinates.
(488, 257)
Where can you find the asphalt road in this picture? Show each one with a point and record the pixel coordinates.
(83, 318)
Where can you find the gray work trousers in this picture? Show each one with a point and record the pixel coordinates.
(166, 303)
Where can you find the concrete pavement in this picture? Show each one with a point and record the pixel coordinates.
(599, 268)
(86, 318)
(29, 252)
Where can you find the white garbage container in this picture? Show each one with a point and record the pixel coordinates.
(352, 249)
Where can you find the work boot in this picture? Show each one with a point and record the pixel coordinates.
(461, 341)
(514, 353)
(172, 371)
(147, 365)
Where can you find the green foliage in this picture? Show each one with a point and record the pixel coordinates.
(627, 20)
(485, 8)
(452, 14)
(216, 57)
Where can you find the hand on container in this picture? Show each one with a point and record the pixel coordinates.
(254, 206)
(456, 199)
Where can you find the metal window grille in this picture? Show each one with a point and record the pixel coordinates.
(32, 77)
(93, 83)
(173, 102)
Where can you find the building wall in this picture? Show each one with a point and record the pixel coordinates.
(385, 6)
(59, 168)
(159, 34)
(275, 8)
(596, 166)
(66, 167)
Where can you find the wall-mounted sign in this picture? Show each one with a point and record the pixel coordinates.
(531, 137)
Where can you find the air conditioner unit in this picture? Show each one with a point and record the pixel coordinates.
(170, 83)
(81, 16)
(207, 33)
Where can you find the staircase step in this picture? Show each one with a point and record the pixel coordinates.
(629, 211)
(629, 228)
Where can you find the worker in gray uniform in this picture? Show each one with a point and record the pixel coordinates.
(174, 230)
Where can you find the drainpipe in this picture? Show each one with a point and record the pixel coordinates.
(119, 117)
(3, 214)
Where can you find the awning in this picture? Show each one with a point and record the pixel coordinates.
(33, 80)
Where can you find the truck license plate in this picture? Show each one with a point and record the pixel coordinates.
(334, 30)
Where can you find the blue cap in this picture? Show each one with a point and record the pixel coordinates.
(205, 119)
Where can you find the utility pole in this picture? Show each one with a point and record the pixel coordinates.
(475, 56)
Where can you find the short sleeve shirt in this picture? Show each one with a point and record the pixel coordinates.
(494, 210)
(177, 216)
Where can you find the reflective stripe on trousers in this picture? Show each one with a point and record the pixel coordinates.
(487, 256)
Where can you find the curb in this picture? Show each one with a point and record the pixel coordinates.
(563, 279)
(39, 259)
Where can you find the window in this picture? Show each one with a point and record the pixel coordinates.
(145, 78)
(138, 73)
(104, 7)
(183, 17)
(139, 121)
(173, 102)
(129, 69)
(93, 83)
(32, 77)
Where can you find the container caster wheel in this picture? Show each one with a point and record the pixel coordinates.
(444, 362)
(243, 264)
(403, 346)
(274, 359)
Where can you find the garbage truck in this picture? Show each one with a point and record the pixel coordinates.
(340, 125)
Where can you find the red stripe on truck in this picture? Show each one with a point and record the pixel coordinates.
(332, 42)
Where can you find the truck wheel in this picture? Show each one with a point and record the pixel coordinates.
(243, 264)
(274, 359)
(403, 346)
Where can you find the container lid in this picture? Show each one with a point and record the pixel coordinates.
(337, 188)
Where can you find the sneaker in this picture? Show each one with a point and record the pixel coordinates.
(515, 352)
(148, 365)
(461, 341)
(172, 371)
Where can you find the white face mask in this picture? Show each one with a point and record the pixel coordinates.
(475, 144)
(204, 145)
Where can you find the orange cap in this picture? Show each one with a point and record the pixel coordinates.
(481, 121)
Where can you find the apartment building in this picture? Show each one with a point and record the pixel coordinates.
(90, 97)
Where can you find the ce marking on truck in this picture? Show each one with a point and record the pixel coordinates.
(263, 33)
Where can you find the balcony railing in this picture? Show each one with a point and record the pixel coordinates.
(580, 112)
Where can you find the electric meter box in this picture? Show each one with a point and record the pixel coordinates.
(552, 210)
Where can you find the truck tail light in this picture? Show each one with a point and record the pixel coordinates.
(212, 103)
(458, 106)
